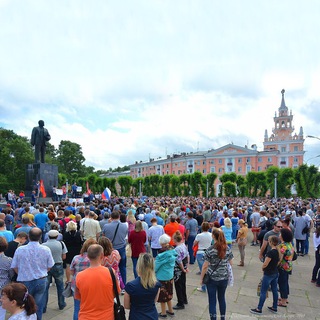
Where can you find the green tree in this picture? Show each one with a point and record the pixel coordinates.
(196, 183)
(184, 181)
(70, 158)
(307, 179)
(175, 186)
(230, 189)
(125, 183)
(16, 152)
(211, 179)
(92, 178)
(166, 184)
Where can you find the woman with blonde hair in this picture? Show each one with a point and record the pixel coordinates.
(73, 241)
(227, 230)
(215, 267)
(137, 239)
(131, 220)
(146, 286)
(242, 240)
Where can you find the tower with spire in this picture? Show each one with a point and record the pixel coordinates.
(289, 145)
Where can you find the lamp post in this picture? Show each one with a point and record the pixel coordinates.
(140, 190)
(313, 137)
(275, 185)
(207, 188)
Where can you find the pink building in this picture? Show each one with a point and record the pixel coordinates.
(283, 148)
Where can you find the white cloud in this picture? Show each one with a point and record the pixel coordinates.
(126, 79)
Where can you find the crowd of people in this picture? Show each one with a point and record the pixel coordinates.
(77, 244)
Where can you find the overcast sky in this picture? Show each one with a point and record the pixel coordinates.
(132, 79)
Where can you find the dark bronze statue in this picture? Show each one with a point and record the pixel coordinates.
(39, 138)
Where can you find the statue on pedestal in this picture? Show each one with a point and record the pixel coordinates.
(39, 138)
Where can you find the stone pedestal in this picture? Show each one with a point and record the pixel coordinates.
(41, 171)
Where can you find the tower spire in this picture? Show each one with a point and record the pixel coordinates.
(283, 104)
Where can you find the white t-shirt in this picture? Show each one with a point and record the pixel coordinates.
(204, 241)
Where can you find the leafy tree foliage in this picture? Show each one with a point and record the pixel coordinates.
(70, 158)
(230, 189)
(307, 181)
(125, 183)
(16, 152)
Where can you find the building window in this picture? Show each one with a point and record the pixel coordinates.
(295, 148)
(283, 149)
(248, 168)
(239, 169)
(179, 164)
(248, 160)
(260, 159)
(220, 161)
(212, 162)
(220, 170)
(239, 160)
(295, 159)
(204, 171)
(198, 163)
(259, 168)
(204, 162)
(269, 159)
(167, 166)
(178, 171)
(174, 172)
(213, 169)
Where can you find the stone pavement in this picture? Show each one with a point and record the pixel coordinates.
(304, 299)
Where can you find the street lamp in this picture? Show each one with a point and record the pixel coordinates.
(207, 188)
(313, 137)
(275, 185)
(140, 190)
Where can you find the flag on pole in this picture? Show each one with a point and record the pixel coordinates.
(88, 189)
(42, 189)
(106, 194)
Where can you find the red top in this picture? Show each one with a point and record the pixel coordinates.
(137, 241)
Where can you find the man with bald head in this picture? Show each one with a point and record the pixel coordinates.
(32, 263)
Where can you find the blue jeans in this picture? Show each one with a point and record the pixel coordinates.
(76, 308)
(37, 289)
(269, 280)
(217, 288)
(283, 282)
(123, 264)
(134, 266)
(190, 245)
(155, 252)
(306, 244)
(200, 261)
(55, 272)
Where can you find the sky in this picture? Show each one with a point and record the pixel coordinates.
(129, 80)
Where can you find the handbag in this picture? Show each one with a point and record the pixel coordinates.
(230, 275)
(195, 249)
(67, 292)
(295, 256)
(119, 312)
(242, 241)
(206, 276)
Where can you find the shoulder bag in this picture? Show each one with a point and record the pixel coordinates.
(115, 233)
(119, 312)
(206, 277)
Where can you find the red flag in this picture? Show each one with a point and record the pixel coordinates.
(88, 189)
(42, 189)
